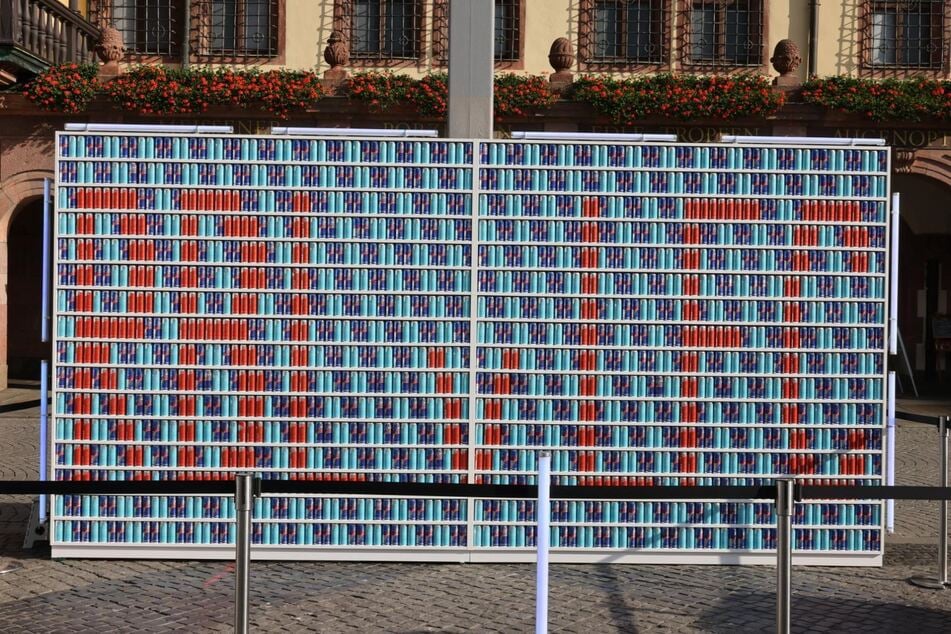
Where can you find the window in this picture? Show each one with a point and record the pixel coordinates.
(148, 27)
(247, 28)
(626, 31)
(381, 29)
(905, 34)
(508, 31)
(508, 24)
(724, 33)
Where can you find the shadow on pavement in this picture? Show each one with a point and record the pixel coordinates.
(14, 516)
(16, 407)
(755, 612)
(622, 613)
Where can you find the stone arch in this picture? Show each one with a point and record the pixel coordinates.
(931, 163)
(17, 190)
(16, 194)
(923, 178)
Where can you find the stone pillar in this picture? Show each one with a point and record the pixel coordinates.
(471, 69)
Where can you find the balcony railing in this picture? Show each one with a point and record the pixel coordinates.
(37, 33)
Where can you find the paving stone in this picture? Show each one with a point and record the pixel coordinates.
(168, 596)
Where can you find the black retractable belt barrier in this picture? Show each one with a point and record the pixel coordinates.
(245, 487)
(526, 491)
(918, 418)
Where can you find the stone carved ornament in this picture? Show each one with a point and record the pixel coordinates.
(337, 53)
(110, 47)
(561, 55)
(786, 57)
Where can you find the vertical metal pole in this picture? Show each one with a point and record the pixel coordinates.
(784, 504)
(543, 512)
(243, 501)
(890, 453)
(45, 336)
(186, 33)
(813, 38)
(943, 519)
(46, 279)
(44, 431)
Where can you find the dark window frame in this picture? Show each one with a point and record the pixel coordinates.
(204, 50)
(102, 12)
(440, 35)
(343, 21)
(940, 35)
(758, 19)
(588, 58)
(106, 13)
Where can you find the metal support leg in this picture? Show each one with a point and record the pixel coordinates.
(243, 502)
(784, 508)
(943, 518)
(543, 511)
(941, 581)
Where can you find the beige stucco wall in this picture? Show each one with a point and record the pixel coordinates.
(839, 42)
(82, 5)
(308, 26)
(310, 22)
(788, 19)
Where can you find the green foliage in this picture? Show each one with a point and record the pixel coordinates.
(66, 88)
(884, 100)
(681, 97)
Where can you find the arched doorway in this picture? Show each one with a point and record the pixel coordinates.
(24, 284)
(924, 284)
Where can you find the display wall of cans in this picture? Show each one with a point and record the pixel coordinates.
(441, 311)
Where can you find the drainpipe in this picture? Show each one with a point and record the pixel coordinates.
(813, 36)
(187, 33)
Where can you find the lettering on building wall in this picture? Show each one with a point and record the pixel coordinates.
(241, 126)
(897, 138)
(687, 134)
(406, 126)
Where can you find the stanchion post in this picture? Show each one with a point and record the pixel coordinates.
(543, 513)
(784, 508)
(943, 519)
(243, 503)
(941, 581)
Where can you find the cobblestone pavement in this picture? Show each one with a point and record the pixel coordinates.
(149, 596)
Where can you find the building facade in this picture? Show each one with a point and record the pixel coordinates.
(875, 39)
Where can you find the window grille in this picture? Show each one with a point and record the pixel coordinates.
(508, 31)
(237, 28)
(905, 34)
(148, 27)
(381, 29)
(723, 33)
(508, 25)
(626, 31)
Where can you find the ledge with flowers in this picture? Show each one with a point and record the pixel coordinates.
(150, 91)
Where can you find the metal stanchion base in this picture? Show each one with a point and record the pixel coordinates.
(931, 583)
(36, 531)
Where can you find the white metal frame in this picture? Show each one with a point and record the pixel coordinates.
(70, 549)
